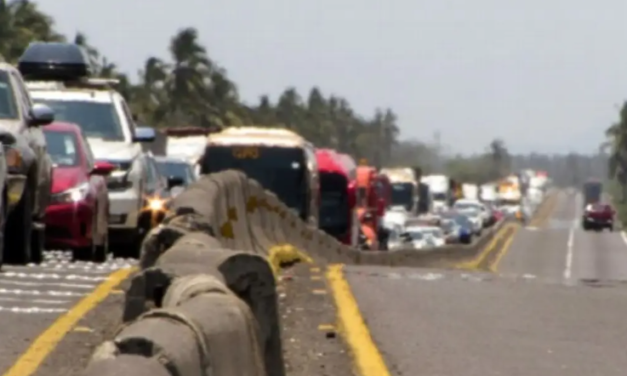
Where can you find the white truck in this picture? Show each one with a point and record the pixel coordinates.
(470, 191)
(440, 189)
(404, 188)
(489, 193)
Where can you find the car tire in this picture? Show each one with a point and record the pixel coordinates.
(3, 221)
(100, 253)
(38, 241)
(19, 229)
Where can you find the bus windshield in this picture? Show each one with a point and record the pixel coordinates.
(334, 207)
(281, 170)
(403, 194)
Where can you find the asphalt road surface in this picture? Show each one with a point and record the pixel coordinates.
(556, 306)
(33, 297)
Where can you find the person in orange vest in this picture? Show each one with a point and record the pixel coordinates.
(367, 229)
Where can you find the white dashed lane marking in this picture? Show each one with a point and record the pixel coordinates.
(53, 286)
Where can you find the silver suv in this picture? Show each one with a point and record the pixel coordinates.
(26, 193)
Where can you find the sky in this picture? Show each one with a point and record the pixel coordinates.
(543, 75)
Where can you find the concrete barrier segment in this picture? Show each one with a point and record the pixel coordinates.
(126, 365)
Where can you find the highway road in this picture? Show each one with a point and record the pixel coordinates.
(555, 306)
(33, 297)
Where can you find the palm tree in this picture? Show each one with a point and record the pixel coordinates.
(189, 81)
(500, 158)
(21, 22)
(617, 163)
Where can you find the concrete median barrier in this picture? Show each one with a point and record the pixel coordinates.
(204, 299)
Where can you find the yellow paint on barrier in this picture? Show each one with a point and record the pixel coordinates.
(368, 359)
(43, 345)
(283, 254)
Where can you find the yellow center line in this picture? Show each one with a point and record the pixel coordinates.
(474, 264)
(368, 359)
(502, 252)
(43, 345)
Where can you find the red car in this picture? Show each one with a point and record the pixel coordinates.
(598, 217)
(77, 217)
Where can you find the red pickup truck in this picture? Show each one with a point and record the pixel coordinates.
(598, 217)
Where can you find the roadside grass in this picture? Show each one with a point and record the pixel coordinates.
(614, 190)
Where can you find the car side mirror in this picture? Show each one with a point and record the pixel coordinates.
(40, 114)
(102, 169)
(144, 134)
(175, 181)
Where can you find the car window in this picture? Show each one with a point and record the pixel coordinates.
(177, 169)
(96, 119)
(8, 104)
(63, 148)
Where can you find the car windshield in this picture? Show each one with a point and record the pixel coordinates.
(403, 195)
(439, 196)
(282, 170)
(433, 231)
(176, 169)
(415, 235)
(8, 109)
(63, 148)
(461, 220)
(96, 119)
(466, 206)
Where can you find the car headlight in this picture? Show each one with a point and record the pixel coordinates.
(72, 195)
(156, 204)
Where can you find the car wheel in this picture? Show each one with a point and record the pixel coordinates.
(3, 221)
(19, 230)
(37, 244)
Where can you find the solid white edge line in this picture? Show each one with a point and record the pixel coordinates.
(570, 244)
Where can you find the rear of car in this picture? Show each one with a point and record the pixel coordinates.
(598, 217)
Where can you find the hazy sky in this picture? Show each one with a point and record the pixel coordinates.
(544, 75)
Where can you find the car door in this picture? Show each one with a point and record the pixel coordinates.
(37, 142)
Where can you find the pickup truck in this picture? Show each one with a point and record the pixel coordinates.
(598, 217)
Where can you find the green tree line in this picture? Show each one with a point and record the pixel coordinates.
(188, 88)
